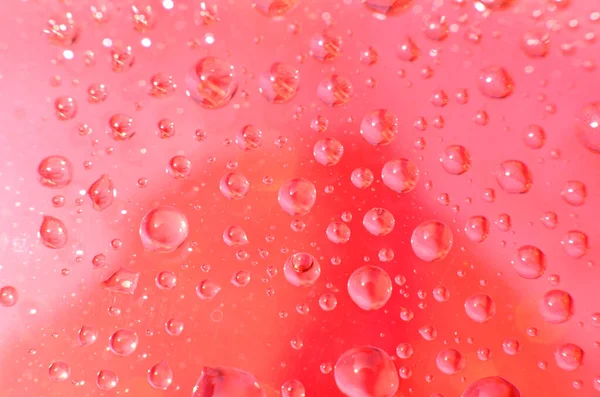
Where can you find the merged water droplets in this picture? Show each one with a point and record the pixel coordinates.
(123, 342)
(379, 221)
(53, 232)
(213, 82)
(297, 196)
(370, 287)
(280, 83)
(513, 176)
(301, 269)
(226, 382)
(400, 175)
(480, 308)
(366, 371)
(455, 160)
(556, 306)
(379, 127)
(529, 262)
(55, 171)
(495, 82)
(163, 229)
(431, 241)
(492, 386)
(160, 375)
(335, 90)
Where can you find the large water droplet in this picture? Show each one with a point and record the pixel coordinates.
(370, 287)
(378, 127)
(495, 82)
(53, 232)
(163, 229)
(160, 375)
(297, 196)
(107, 380)
(492, 386)
(280, 83)
(568, 356)
(55, 171)
(366, 371)
(335, 91)
(480, 308)
(455, 160)
(450, 361)
(123, 342)
(234, 186)
(556, 307)
(328, 151)
(59, 371)
(379, 221)
(513, 176)
(213, 82)
(431, 241)
(102, 193)
(122, 281)
(301, 269)
(529, 262)
(226, 382)
(400, 175)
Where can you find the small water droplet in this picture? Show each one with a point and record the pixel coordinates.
(400, 175)
(431, 241)
(123, 342)
(363, 370)
(297, 196)
(379, 221)
(163, 229)
(213, 82)
(370, 287)
(160, 375)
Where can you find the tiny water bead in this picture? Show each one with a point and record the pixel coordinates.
(455, 160)
(102, 192)
(275, 8)
(400, 175)
(328, 151)
(477, 228)
(174, 327)
(207, 289)
(226, 382)
(280, 83)
(297, 196)
(574, 193)
(166, 280)
(575, 243)
(212, 83)
(160, 375)
(492, 386)
(59, 371)
(362, 177)
(338, 232)
(588, 126)
(106, 380)
(163, 229)
(121, 127)
(335, 91)
(180, 167)
(293, 388)
(325, 46)
(55, 171)
(370, 287)
(568, 356)
(301, 269)
(450, 361)
(53, 232)
(556, 306)
(379, 221)
(534, 136)
(431, 241)
(366, 371)
(8, 296)
(495, 82)
(249, 137)
(87, 335)
(480, 308)
(514, 177)
(379, 127)
(327, 302)
(235, 236)
(66, 108)
(529, 262)
(123, 342)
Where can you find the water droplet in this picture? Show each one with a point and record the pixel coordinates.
(174, 327)
(106, 380)
(166, 280)
(535, 43)
(574, 193)
(327, 302)
(213, 82)
(66, 108)
(529, 262)
(379, 221)
(163, 229)
(511, 346)
(477, 228)
(328, 151)
(240, 278)
(484, 353)
(557, 306)
(275, 8)
(293, 388)
(436, 27)
(370, 287)
(160, 375)
(400, 175)
(87, 335)
(404, 350)
(325, 46)
(226, 382)
(534, 136)
(335, 90)
(59, 371)
(407, 50)
(575, 243)
(385, 254)
(362, 177)
(249, 137)
(61, 30)
(450, 361)
(53, 232)
(495, 82)
(441, 294)
(366, 371)
(513, 176)
(480, 308)
(568, 356)
(492, 386)
(122, 59)
(280, 84)
(55, 171)
(102, 193)
(8, 296)
(162, 85)
(455, 160)
(428, 332)
(234, 186)
(207, 289)
(383, 8)
(379, 127)
(431, 241)
(235, 236)
(301, 269)
(123, 342)
(143, 18)
(122, 281)
(97, 93)
(297, 196)
(338, 232)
